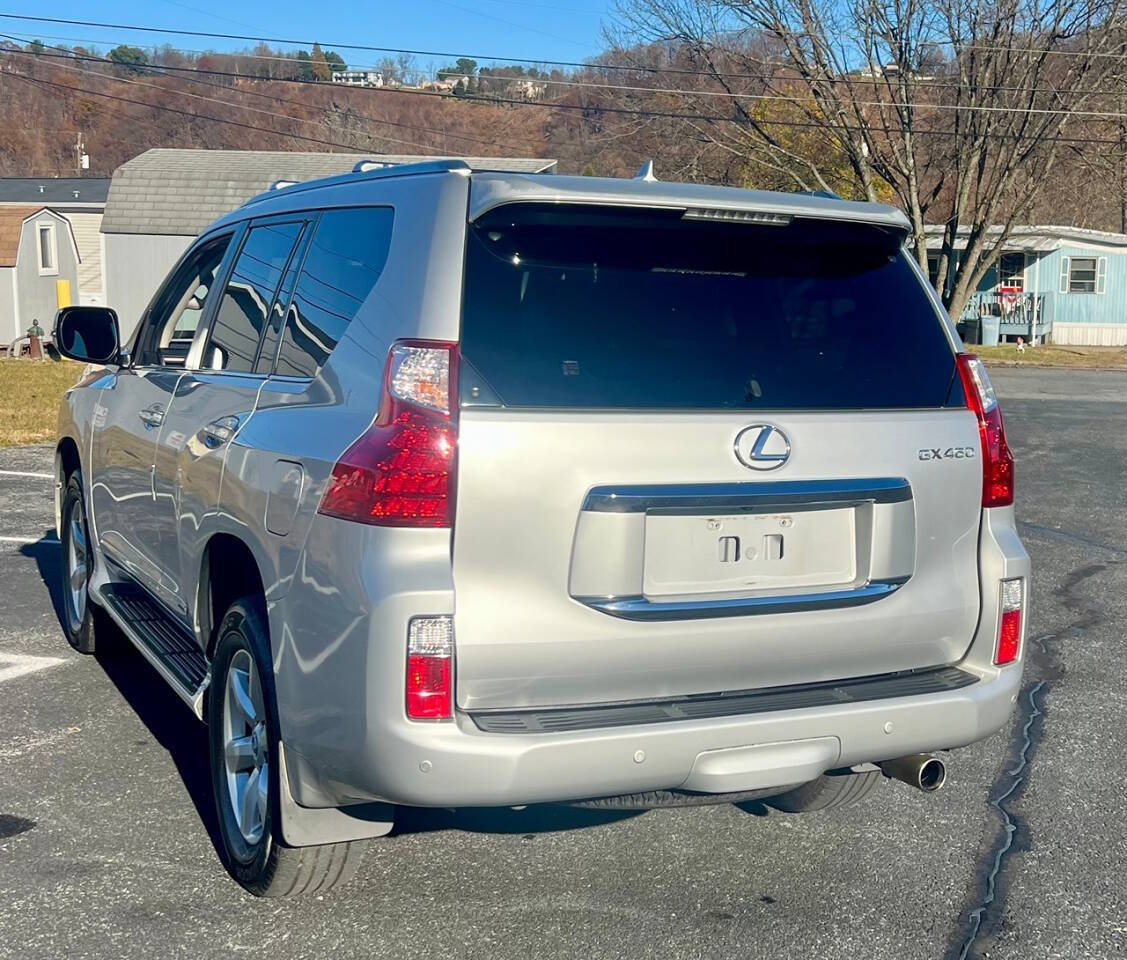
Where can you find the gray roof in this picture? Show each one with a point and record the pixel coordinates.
(179, 192)
(58, 191)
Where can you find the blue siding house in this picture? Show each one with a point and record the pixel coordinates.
(1064, 284)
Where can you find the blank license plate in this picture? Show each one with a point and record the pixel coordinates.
(751, 552)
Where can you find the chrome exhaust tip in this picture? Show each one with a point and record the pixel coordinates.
(920, 770)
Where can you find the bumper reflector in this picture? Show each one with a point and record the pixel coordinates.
(1009, 629)
(430, 686)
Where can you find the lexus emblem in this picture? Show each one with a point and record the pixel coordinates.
(762, 446)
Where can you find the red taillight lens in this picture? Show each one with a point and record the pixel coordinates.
(430, 650)
(1009, 627)
(400, 472)
(997, 461)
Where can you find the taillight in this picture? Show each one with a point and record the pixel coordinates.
(430, 651)
(997, 461)
(400, 472)
(1009, 627)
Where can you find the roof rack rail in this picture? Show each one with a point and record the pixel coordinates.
(368, 170)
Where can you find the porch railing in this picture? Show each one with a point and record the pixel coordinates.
(1016, 313)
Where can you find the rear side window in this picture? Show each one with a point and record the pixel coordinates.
(250, 292)
(603, 307)
(343, 262)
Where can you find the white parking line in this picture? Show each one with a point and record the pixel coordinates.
(21, 664)
(54, 540)
(27, 473)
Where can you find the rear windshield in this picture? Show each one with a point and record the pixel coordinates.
(573, 306)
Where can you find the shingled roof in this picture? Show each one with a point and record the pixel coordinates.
(12, 219)
(60, 191)
(179, 192)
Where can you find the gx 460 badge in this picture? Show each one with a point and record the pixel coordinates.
(951, 453)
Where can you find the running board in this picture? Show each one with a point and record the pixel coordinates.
(164, 642)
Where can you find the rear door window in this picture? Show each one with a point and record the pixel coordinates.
(342, 264)
(610, 307)
(243, 311)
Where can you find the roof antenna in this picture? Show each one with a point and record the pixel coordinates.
(646, 172)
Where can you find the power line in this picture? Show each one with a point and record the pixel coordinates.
(719, 94)
(644, 114)
(723, 94)
(623, 111)
(585, 65)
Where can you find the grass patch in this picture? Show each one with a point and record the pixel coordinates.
(30, 393)
(1051, 355)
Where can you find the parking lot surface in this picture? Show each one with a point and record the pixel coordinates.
(107, 835)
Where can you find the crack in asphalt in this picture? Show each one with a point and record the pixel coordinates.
(1036, 531)
(984, 914)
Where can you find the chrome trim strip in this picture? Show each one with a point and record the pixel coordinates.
(744, 496)
(639, 608)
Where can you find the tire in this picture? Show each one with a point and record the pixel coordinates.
(86, 625)
(242, 713)
(835, 789)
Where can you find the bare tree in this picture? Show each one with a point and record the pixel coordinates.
(957, 110)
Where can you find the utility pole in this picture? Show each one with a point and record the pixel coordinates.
(81, 159)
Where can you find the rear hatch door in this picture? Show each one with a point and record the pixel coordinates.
(698, 456)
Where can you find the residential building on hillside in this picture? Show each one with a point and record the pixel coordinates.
(82, 201)
(1063, 283)
(39, 268)
(161, 200)
(359, 78)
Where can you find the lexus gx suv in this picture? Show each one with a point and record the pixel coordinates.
(439, 487)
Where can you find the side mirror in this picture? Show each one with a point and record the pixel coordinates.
(89, 334)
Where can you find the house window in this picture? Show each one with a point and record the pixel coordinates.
(1011, 271)
(933, 272)
(1083, 274)
(48, 249)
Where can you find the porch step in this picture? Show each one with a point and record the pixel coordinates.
(162, 635)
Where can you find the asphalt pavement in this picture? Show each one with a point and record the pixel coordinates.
(107, 836)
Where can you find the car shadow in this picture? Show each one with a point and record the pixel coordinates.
(527, 821)
(165, 716)
(48, 559)
(174, 727)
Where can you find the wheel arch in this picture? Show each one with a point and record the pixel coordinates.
(229, 570)
(67, 461)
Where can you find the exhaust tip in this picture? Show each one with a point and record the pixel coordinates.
(933, 774)
(921, 770)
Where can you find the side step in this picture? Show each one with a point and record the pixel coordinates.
(164, 642)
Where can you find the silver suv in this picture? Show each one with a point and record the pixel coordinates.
(438, 487)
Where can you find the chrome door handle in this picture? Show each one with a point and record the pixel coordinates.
(219, 432)
(151, 417)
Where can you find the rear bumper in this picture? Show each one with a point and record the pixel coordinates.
(456, 764)
(348, 740)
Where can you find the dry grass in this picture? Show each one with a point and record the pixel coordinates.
(1049, 355)
(30, 393)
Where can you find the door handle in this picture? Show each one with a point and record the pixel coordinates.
(219, 432)
(151, 417)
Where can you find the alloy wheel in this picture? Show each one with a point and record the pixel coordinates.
(245, 746)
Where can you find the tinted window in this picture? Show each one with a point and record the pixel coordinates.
(273, 333)
(609, 308)
(344, 260)
(248, 296)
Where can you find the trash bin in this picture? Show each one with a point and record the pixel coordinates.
(990, 329)
(969, 330)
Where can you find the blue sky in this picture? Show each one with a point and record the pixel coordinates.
(524, 29)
